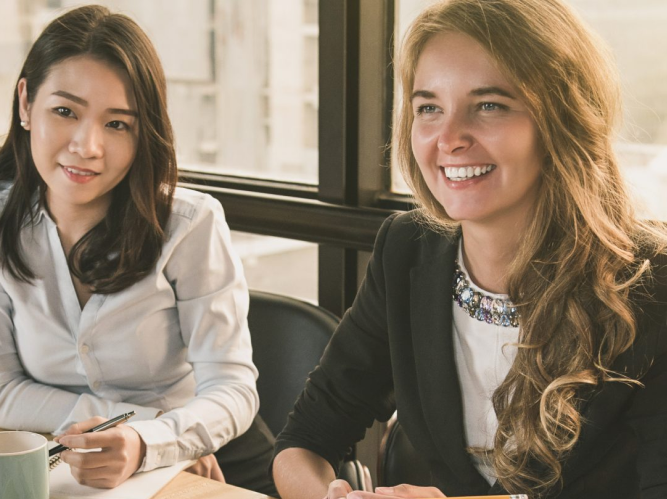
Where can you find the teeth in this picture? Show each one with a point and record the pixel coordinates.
(77, 172)
(466, 172)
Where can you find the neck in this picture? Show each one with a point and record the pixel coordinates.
(74, 220)
(488, 253)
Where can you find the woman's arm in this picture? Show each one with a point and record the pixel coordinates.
(350, 389)
(302, 474)
(212, 302)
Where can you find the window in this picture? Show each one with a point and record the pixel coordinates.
(242, 88)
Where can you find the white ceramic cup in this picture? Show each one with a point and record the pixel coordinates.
(24, 465)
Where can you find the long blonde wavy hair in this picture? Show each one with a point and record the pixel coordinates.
(579, 258)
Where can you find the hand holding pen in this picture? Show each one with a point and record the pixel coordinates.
(121, 453)
(100, 427)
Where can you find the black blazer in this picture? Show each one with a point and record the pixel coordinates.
(394, 350)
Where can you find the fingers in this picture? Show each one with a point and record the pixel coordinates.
(111, 438)
(338, 489)
(410, 491)
(82, 426)
(121, 455)
(216, 474)
(85, 460)
(86, 425)
(207, 466)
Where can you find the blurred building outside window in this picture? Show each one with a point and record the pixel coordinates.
(243, 99)
(636, 33)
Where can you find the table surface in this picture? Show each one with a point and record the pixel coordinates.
(189, 486)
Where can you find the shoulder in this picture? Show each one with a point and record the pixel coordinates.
(406, 235)
(190, 205)
(652, 287)
(648, 299)
(193, 212)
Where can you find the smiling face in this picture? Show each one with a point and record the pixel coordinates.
(474, 140)
(83, 131)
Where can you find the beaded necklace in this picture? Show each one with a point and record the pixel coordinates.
(480, 306)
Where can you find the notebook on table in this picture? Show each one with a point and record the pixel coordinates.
(62, 484)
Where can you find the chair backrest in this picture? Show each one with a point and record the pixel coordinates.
(398, 461)
(288, 339)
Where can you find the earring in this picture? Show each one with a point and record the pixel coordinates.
(24, 124)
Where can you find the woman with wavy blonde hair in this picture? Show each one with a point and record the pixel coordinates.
(542, 368)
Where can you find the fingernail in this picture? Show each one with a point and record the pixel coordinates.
(384, 490)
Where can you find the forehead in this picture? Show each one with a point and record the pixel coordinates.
(456, 58)
(94, 80)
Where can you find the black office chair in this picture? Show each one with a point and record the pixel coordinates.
(398, 461)
(288, 339)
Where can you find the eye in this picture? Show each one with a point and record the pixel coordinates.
(65, 112)
(118, 125)
(492, 106)
(426, 109)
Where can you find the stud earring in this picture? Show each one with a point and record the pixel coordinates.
(24, 124)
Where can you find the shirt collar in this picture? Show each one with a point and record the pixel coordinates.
(39, 209)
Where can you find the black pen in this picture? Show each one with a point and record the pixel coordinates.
(107, 424)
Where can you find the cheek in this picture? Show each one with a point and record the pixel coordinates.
(519, 145)
(122, 155)
(424, 142)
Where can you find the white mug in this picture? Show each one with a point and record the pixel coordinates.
(24, 465)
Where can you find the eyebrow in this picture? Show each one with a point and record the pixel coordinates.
(492, 90)
(83, 102)
(422, 93)
(426, 94)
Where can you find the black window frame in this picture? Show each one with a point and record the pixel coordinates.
(343, 213)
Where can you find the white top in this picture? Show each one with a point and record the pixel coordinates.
(177, 341)
(484, 354)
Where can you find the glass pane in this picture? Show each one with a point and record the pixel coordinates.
(635, 31)
(277, 265)
(242, 77)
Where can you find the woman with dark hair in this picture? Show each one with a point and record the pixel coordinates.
(118, 290)
(516, 321)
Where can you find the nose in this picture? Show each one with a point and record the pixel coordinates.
(455, 134)
(88, 141)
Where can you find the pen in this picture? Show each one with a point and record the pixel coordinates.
(107, 424)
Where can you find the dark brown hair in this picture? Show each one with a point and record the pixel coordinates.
(125, 245)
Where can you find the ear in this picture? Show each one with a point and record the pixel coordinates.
(24, 106)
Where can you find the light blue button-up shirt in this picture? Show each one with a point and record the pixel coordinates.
(177, 341)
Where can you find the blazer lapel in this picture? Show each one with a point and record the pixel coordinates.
(439, 389)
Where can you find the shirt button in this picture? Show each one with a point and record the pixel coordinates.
(84, 349)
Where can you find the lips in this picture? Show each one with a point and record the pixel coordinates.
(79, 171)
(79, 175)
(460, 173)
